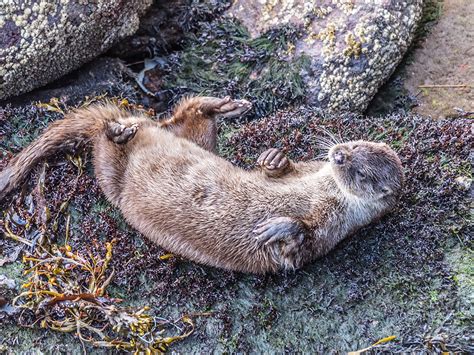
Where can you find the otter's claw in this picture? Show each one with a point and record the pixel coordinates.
(121, 134)
(273, 159)
(234, 108)
(277, 229)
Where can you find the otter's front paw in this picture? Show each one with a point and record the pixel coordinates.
(273, 162)
(278, 229)
(119, 133)
(225, 107)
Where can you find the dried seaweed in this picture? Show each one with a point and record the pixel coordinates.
(66, 292)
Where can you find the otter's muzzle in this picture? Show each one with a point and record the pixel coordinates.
(339, 157)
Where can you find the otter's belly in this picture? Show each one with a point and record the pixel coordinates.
(200, 206)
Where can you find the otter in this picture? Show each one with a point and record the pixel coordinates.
(171, 186)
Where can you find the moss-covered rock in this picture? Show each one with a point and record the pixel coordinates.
(221, 58)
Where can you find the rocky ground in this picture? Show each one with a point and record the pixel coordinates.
(436, 77)
(408, 276)
(441, 72)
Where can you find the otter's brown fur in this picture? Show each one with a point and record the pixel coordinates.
(173, 189)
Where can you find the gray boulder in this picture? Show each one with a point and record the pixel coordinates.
(354, 46)
(42, 40)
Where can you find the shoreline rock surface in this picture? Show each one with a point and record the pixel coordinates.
(41, 41)
(354, 47)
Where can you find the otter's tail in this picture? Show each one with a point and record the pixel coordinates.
(77, 127)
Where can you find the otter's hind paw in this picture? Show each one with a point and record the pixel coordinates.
(225, 107)
(121, 134)
(234, 108)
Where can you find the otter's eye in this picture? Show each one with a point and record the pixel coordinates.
(361, 175)
(386, 190)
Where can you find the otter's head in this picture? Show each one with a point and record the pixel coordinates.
(368, 170)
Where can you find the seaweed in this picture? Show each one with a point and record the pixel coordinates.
(66, 292)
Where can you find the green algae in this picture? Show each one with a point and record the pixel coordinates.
(222, 59)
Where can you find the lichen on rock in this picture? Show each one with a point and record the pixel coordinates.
(354, 46)
(42, 40)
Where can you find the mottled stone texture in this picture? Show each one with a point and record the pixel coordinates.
(354, 46)
(43, 40)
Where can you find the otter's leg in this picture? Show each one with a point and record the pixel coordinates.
(214, 107)
(208, 107)
(195, 118)
(276, 229)
(111, 155)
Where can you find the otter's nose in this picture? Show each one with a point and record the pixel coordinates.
(339, 157)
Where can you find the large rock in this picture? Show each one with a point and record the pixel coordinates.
(43, 40)
(354, 46)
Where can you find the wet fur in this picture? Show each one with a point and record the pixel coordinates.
(171, 187)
